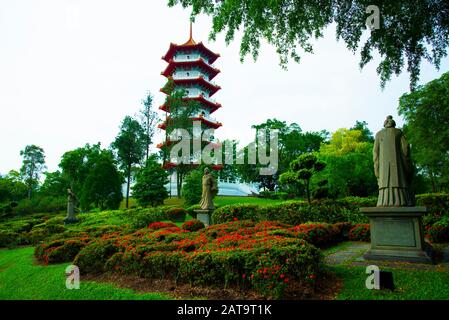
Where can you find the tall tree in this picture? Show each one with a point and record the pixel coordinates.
(349, 162)
(148, 119)
(103, 184)
(292, 142)
(362, 126)
(130, 147)
(151, 179)
(12, 188)
(32, 167)
(409, 30)
(426, 114)
(75, 165)
(55, 184)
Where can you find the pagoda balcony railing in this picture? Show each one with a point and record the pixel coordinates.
(183, 77)
(191, 58)
(194, 76)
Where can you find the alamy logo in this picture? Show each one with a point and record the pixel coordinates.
(263, 151)
(373, 20)
(73, 277)
(373, 280)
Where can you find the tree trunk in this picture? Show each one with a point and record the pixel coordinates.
(127, 186)
(179, 184)
(308, 190)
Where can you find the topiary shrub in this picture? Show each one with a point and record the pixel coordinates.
(193, 225)
(59, 251)
(8, 238)
(191, 210)
(92, 258)
(360, 232)
(439, 231)
(236, 211)
(319, 234)
(161, 225)
(176, 214)
(140, 218)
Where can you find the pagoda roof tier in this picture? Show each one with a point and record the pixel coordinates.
(212, 88)
(172, 65)
(212, 106)
(170, 165)
(209, 123)
(190, 46)
(169, 142)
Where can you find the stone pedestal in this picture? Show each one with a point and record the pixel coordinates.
(205, 216)
(397, 234)
(69, 220)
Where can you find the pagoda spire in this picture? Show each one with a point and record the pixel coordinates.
(190, 41)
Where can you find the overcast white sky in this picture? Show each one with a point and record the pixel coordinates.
(71, 70)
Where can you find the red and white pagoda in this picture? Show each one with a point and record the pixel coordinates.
(190, 66)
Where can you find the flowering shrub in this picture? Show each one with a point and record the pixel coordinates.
(265, 256)
(236, 211)
(193, 225)
(59, 250)
(318, 233)
(437, 233)
(360, 232)
(176, 214)
(161, 225)
(92, 258)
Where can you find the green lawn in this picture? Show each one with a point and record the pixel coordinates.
(410, 285)
(226, 200)
(21, 279)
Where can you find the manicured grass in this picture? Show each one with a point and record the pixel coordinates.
(21, 279)
(410, 284)
(227, 200)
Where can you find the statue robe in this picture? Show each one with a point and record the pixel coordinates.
(209, 191)
(393, 168)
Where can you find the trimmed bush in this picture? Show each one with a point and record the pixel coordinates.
(266, 256)
(360, 232)
(236, 211)
(59, 251)
(193, 225)
(92, 258)
(319, 234)
(439, 232)
(176, 214)
(191, 210)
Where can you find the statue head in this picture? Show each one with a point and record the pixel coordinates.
(206, 171)
(389, 122)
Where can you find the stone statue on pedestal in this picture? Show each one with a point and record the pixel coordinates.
(210, 190)
(393, 167)
(72, 202)
(396, 227)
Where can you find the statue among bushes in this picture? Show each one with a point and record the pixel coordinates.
(209, 191)
(393, 166)
(72, 202)
(396, 227)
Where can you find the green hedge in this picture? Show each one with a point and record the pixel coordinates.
(297, 212)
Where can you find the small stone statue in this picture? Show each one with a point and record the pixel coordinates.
(210, 190)
(393, 167)
(72, 201)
